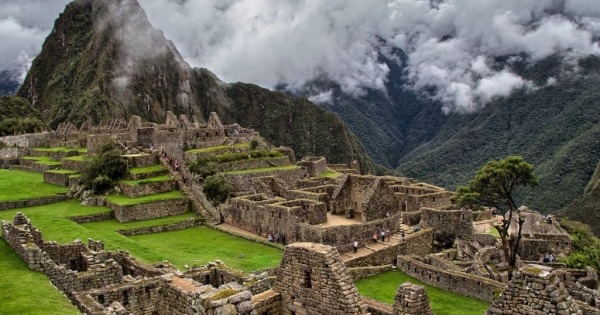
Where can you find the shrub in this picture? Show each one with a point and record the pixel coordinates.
(586, 247)
(217, 189)
(104, 169)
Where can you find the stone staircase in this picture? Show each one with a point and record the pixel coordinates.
(187, 190)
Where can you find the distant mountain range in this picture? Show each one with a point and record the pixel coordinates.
(8, 84)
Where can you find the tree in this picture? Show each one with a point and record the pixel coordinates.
(217, 189)
(104, 169)
(494, 185)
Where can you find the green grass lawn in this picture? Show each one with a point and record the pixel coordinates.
(23, 291)
(265, 169)
(147, 169)
(21, 185)
(329, 173)
(199, 245)
(146, 181)
(383, 288)
(190, 246)
(72, 172)
(42, 160)
(126, 201)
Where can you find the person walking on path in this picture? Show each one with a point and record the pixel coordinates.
(382, 235)
(355, 244)
(375, 237)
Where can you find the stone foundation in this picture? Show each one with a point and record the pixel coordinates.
(151, 210)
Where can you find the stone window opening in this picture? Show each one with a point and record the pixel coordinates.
(280, 215)
(207, 279)
(148, 292)
(101, 299)
(433, 199)
(307, 279)
(125, 297)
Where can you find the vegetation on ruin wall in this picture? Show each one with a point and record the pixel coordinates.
(104, 169)
(585, 207)
(25, 292)
(147, 169)
(383, 287)
(161, 178)
(20, 185)
(17, 116)
(217, 189)
(586, 247)
(191, 246)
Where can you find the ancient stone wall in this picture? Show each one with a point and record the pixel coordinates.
(30, 140)
(453, 223)
(536, 294)
(98, 217)
(431, 200)
(252, 163)
(77, 165)
(59, 179)
(151, 210)
(138, 297)
(150, 188)
(314, 165)
(411, 218)
(313, 279)
(141, 160)
(190, 222)
(535, 248)
(266, 303)
(241, 182)
(450, 280)
(412, 299)
(359, 273)
(5, 205)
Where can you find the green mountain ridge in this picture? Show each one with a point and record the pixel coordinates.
(586, 208)
(103, 59)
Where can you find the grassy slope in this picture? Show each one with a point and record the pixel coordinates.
(19, 287)
(20, 185)
(181, 247)
(383, 287)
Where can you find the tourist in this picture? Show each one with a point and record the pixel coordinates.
(387, 214)
(403, 235)
(355, 244)
(375, 237)
(546, 258)
(552, 258)
(270, 237)
(382, 235)
(388, 234)
(277, 236)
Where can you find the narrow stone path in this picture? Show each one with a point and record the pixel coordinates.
(191, 195)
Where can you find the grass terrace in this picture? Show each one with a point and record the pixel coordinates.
(28, 292)
(21, 185)
(329, 173)
(126, 201)
(191, 246)
(146, 181)
(220, 147)
(382, 287)
(63, 171)
(76, 158)
(148, 169)
(61, 149)
(265, 169)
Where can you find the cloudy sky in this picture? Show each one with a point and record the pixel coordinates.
(451, 44)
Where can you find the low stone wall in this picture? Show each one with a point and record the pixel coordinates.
(76, 165)
(267, 303)
(241, 182)
(40, 168)
(450, 280)
(141, 160)
(12, 153)
(140, 176)
(367, 272)
(59, 155)
(31, 202)
(452, 223)
(253, 163)
(162, 228)
(21, 168)
(411, 218)
(144, 189)
(151, 210)
(343, 236)
(27, 140)
(93, 217)
(60, 179)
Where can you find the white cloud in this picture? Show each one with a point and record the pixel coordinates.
(452, 45)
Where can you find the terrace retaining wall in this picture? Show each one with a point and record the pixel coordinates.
(145, 189)
(5, 205)
(162, 228)
(151, 210)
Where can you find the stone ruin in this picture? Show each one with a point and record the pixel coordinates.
(300, 206)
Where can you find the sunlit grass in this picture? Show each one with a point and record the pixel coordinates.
(21, 185)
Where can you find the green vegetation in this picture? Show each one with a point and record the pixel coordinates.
(585, 207)
(80, 158)
(217, 189)
(126, 201)
(63, 171)
(200, 245)
(190, 246)
(20, 185)
(20, 286)
(264, 169)
(495, 185)
(146, 181)
(383, 288)
(46, 160)
(104, 169)
(329, 173)
(147, 169)
(586, 247)
(17, 116)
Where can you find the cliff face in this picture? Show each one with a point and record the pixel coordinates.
(103, 59)
(586, 208)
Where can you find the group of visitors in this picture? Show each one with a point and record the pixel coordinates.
(276, 237)
(380, 234)
(549, 258)
(549, 219)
